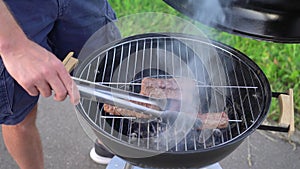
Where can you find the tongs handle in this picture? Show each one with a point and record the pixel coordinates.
(70, 62)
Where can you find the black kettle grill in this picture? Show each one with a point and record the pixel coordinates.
(238, 87)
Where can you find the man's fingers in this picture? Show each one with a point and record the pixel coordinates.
(38, 87)
(74, 96)
(73, 92)
(70, 86)
(59, 89)
(32, 91)
(43, 88)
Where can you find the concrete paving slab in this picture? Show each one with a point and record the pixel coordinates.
(66, 146)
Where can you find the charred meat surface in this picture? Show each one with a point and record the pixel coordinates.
(170, 88)
(213, 120)
(175, 88)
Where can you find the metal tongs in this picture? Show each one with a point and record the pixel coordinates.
(122, 98)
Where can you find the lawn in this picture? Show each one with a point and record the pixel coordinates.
(280, 62)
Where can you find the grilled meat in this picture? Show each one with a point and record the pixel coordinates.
(170, 88)
(213, 120)
(114, 110)
(174, 88)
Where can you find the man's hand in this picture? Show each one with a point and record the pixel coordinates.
(38, 71)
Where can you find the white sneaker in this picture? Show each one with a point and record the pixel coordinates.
(99, 159)
(100, 154)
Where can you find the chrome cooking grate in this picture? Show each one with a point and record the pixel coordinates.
(225, 84)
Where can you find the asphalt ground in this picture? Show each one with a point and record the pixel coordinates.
(67, 146)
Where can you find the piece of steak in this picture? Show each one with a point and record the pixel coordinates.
(175, 88)
(213, 120)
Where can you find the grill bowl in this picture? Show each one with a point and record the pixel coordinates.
(238, 87)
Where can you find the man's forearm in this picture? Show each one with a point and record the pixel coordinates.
(10, 32)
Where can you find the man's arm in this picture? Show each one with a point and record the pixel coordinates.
(9, 28)
(37, 70)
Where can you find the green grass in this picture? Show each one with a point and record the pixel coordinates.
(280, 62)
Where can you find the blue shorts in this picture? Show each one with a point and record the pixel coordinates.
(60, 26)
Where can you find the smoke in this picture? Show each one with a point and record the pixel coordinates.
(209, 12)
(180, 57)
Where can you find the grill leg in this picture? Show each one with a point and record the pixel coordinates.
(128, 166)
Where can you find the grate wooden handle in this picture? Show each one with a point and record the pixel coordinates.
(286, 105)
(70, 62)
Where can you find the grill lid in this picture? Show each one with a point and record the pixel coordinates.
(270, 20)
